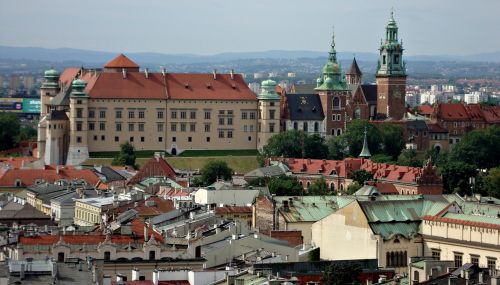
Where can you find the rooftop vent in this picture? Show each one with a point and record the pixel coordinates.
(215, 74)
(186, 85)
(231, 72)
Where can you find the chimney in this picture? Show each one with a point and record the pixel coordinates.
(106, 280)
(145, 233)
(215, 74)
(124, 73)
(58, 169)
(146, 73)
(231, 72)
(135, 274)
(162, 71)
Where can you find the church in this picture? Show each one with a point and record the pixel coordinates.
(338, 98)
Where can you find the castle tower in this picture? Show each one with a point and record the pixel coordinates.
(269, 113)
(333, 93)
(49, 89)
(391, 75)
(78, 150)
(354, 75)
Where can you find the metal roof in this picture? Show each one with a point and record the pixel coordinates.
(389, 230)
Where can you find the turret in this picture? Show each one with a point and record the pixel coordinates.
(354, 75)
(78, 147)
(269, 113)
(49, 89)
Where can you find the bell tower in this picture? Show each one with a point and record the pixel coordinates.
(391, 75)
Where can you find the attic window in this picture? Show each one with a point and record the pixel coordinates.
(18, 183)
(233, 85)
(209, 86)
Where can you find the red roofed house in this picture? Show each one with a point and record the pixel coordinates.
(155, 167)
(27, 177)
(95, 110)
(337, 174)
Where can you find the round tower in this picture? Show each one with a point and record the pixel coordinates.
(78, 150)
(49, 89)
(269, 113)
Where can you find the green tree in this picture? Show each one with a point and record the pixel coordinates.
(314, 147)
(456, 176)
(361, 176)
(491, 183)
(381, 158)
(126, 155)
(393, 139)
(337, 147)
(318, 188)
(341, 273)
(408, 157)
(214, 170)
(287, 144)
(9, 130)
(479, 148)
(258, 182)
(355, 135)
(353, 187)
(285, 186)
(27, 133)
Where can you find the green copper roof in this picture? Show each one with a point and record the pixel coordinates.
(51, 73)
(78, 87)
(268, 90)
(332, 78)
(51, 79)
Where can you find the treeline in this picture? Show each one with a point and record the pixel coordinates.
(12, 131)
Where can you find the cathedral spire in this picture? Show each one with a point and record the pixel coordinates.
(333, 52)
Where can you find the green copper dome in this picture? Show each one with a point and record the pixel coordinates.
(268, 90)
(331, 68)
(78, 86)
(51, 77)
(52, 73)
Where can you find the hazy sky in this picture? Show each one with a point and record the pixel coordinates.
(213, 26)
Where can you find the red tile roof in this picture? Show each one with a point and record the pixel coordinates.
(453, 111)
(233, 210)
(16, 162)
(28, 177)
(425, 109)
(121, 61)
(462, 222)
(160, 206)
(435, 128)
(155, 167)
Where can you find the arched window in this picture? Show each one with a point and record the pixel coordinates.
(357, 113)
(332, 187)
(339, 132)
(305, 127)
(333, 132)
(341, 187)
(316, 127)
(308, 184)
(295, 126)
(336, 102)
(401, 261)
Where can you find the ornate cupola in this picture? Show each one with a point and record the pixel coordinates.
(332, 78)
(51, 79)
(78, 88)
(391, 52)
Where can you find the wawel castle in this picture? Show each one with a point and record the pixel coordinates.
(95, 110)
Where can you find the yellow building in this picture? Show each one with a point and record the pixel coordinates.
(96, 110)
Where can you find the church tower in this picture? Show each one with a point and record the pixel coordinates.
(354, 76)
(333, 93)
(78, 117)
(269, 113)
(391, 75)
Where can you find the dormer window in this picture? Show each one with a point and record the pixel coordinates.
(18, 183)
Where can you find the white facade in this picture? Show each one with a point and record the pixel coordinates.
(475, 97)
(225, 197)
(310, 127)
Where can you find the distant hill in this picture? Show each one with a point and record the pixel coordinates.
(145, 58)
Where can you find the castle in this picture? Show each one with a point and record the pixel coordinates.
(95, 110)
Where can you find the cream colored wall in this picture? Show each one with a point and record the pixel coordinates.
(87, 215)
(304, 227)
(151, 133)
(450, 238)
(413, 247)
(265, 108)
(345, 235)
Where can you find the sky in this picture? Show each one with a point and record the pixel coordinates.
(427, 27)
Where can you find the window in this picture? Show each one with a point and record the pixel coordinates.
(260, 114)
(271, 128)
(271, 104)
(207, 128)
(159, 127)
(160, 139)
(271, 114)
(192, 115)
(117, 139)
(78, 139)
(208, 139)
(79, 112)
(249, 138)
(102, 126)
(244, 115)
(183, 127)
(183, 114)
(339, 117)
(336, 103)
(142, 139)
(251, 128)
(141, 114)
(316, 127)
(152, 254)
(230, 134)
(221, 121)
(174, 139)
(103, 138)
(118, 114)
(192, 127)
(222, 112)
(91, 113)
(252, 115)
(230, 121)
(295, 126)
(436, 253)
(492, 265)
(79, 126)
(173, 127)
(383, 59)
(107, 255)
(173, 115)
(102, 114)
(131, 114)
(230, 112)
(91, 126)
(339, 132)
(95, 138)
(190, 139)
(245, 128)
(141, 127)
(207, 115)
(474, 259)
(159, 114)
(221, 134)
(118, 127)
(357, 113)
(458, 259)
(131, 139)
(305, 127)
(396, 59)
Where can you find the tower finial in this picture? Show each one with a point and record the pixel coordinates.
(333, 36)
(392, 13)
(365, 152)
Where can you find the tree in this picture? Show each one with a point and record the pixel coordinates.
(408, 157)
(9, 130)
(456, 176)
(381, 158)
(393, 139)
(491, 183)
(287, 144)
(361, 176)
(353, 187)
(26, 133)
(318, 188)
(337, 147)
(479, 148)
(341, 273)
(257, 182)
(214, 170)
(126, 155)
(285, 186)
(355, 136)
(314, 147)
